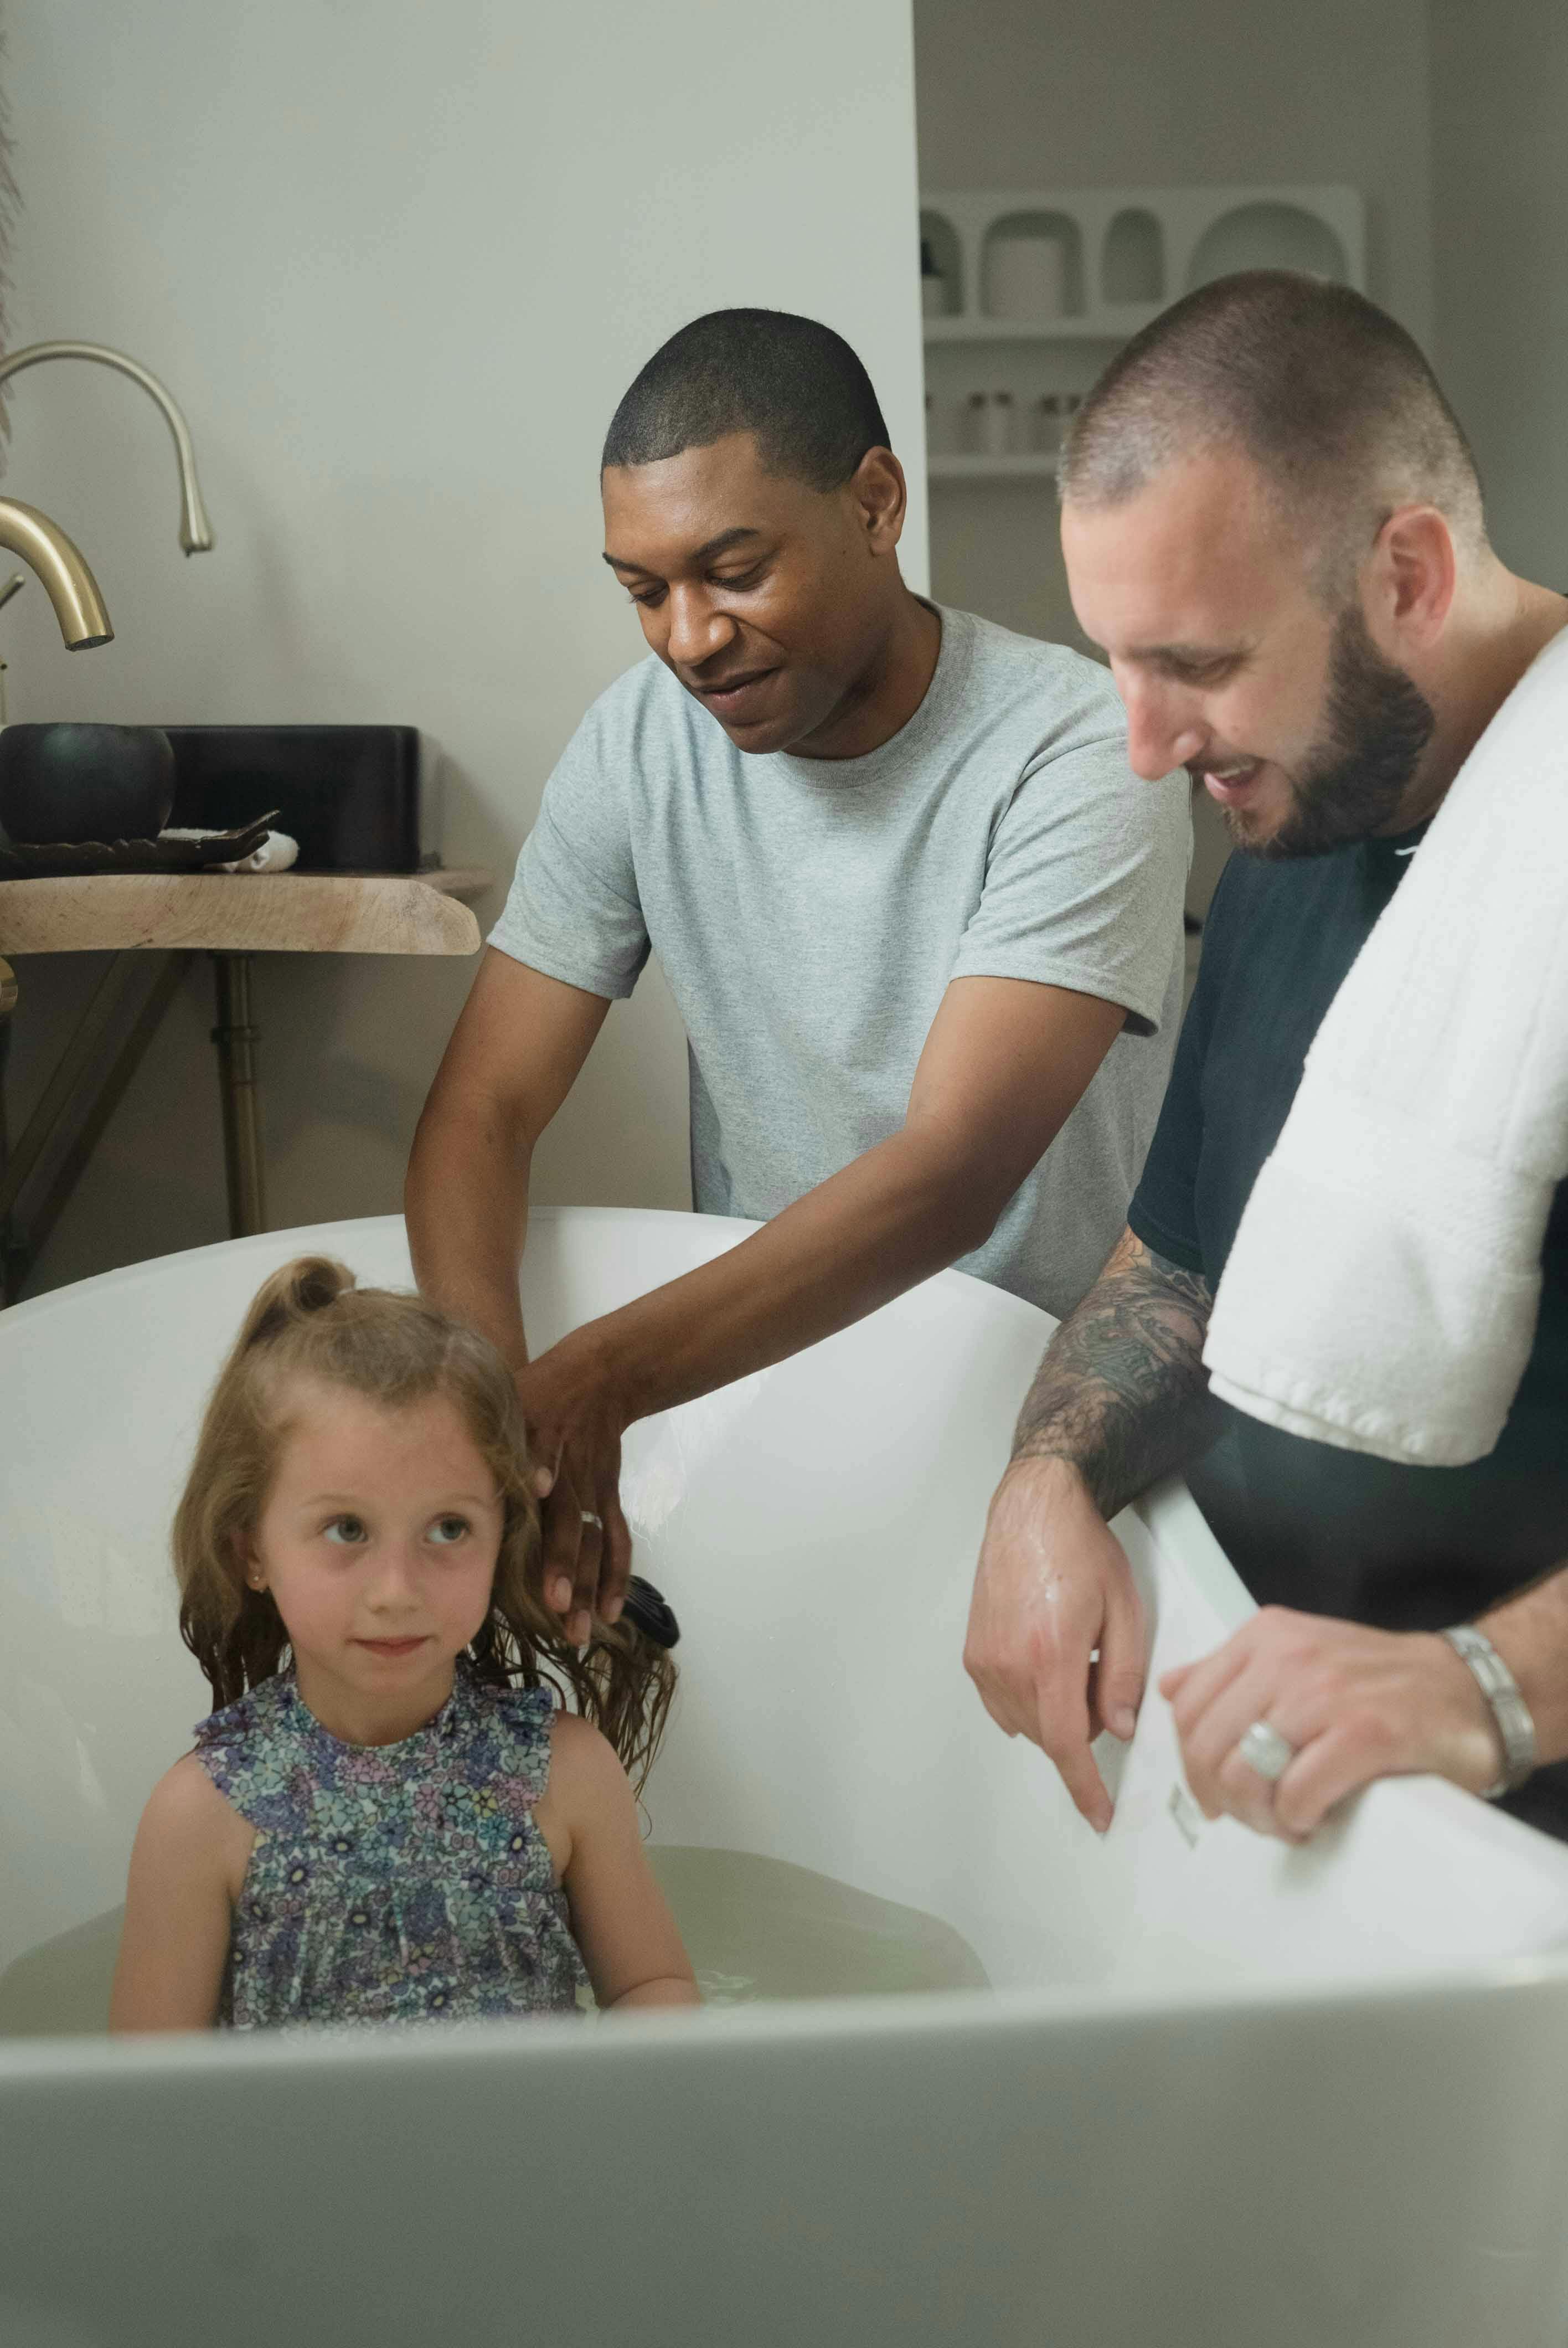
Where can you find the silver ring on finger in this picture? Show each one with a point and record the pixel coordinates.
(1263, 1748)
(590, 1518)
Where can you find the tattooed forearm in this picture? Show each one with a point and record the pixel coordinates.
(1122, 1392)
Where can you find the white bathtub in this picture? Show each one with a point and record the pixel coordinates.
(1222, 2093)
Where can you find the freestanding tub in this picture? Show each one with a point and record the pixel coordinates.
(1220, 2092)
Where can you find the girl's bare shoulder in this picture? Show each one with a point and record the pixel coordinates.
(187, 1823)
(584, 1754)
(587, 1787)
(571, 1734)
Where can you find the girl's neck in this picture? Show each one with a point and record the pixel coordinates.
(362, 1716)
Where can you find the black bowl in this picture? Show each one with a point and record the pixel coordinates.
(66, 782)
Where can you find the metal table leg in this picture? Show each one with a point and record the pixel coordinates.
(7, 1005)
(70, 1096)
(8, 1277)
(236, 1040)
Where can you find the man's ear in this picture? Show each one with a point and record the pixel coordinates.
(1408, 588)
(881, 499)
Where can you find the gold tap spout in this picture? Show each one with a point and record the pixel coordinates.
(66, 580)
(195, 530)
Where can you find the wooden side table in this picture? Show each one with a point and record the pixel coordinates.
(231, 916)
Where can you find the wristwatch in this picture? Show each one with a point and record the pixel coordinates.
(1509, 1710)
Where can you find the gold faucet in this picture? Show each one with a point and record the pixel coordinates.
(66, 580)
(195, 530)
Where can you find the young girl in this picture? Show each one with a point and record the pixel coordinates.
(378, 1825)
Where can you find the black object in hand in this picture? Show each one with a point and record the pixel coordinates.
(647, 1608)
(64, 782)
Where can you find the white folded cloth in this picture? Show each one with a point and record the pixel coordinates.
(276, 853)
(1382, 1292)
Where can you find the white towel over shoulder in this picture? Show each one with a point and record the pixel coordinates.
(1383, 1288)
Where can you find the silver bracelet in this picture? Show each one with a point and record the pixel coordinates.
(1509, 1710)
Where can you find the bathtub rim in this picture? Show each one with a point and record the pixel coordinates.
(265, 1243)
(818, 2023)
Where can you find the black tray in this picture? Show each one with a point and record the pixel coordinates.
(58, 860)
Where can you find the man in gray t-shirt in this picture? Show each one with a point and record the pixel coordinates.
(921, 922)
(810, 915)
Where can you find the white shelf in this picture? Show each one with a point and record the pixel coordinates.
(1184, 235)
(969, 466)
(1154, 244)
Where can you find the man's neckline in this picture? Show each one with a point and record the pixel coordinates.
(953, 652)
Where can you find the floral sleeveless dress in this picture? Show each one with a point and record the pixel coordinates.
(403, 1882)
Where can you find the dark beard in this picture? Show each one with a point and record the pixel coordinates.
(1376, 726)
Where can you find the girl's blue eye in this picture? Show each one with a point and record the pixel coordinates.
(345, 1532)
(448, 1530)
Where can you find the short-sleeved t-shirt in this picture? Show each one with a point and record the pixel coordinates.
(809, 914)
(1306, 1524)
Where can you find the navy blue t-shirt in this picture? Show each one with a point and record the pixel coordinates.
(1304, 1524)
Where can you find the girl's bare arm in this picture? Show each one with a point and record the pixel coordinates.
(188, 1862)
(619, 1918)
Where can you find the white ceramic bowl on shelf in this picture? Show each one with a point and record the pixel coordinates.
(1026, 279)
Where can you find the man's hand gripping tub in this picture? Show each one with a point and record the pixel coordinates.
(1056, 1644)
(1347, 1703)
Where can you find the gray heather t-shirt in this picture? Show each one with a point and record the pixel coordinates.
(810, 913)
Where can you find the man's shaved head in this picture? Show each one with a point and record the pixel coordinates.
(1331, 400)
(792, 382)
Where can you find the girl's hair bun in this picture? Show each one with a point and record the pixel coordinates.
(314, 1282)
(309, 1285)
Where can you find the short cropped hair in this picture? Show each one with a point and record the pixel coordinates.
(1331, 399)
(792, 382)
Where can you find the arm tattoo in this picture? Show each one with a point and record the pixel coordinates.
(1123, 1394)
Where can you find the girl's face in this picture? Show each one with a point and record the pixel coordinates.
(378, 1542)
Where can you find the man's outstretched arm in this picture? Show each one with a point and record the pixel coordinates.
(1120, 1399)
(1005, 1062)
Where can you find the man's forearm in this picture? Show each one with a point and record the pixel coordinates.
(887, 1220)
(1123, 1394)
(465, 1203)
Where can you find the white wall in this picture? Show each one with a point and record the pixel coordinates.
(1499, 125)
(398, 262)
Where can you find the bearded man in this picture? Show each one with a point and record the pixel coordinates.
(1271, 524)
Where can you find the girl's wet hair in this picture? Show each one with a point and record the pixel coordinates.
(310, 1321)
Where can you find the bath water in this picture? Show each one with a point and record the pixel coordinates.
(758, 1928)
(755, 1929)
(61, 1986)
